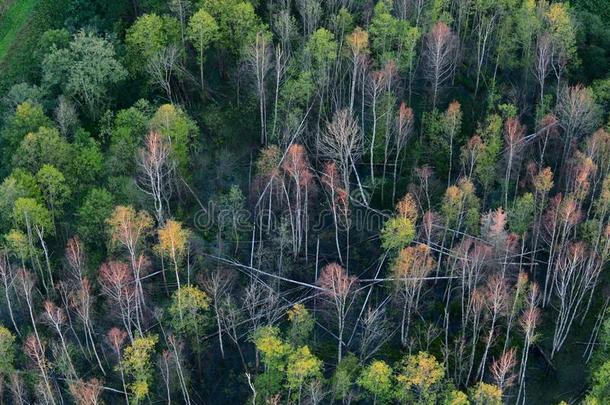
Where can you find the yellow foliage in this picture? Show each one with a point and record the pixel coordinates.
(486, 394)
(420, 371)
(358, 41)
(302, 365)
(172, 240)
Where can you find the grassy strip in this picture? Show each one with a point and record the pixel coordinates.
(13, 21)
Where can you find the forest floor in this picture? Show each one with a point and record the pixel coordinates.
(14, 15)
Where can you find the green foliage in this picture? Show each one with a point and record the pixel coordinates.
(148, 35)
(92, 214)
(7, 352)
(202, 31)
(302, 366)
(520, 217)
(126, 131)
(345, 377)
(54, 189)
(29, 213)
(45, 146)
(376, 379)
(600, 390)
(19, 184)
(392, 38)
(181, 131)
(301, 325)
(189, 311)
(397, 233)
(271, 346)
(85, 71)
(137, 363)
(485, 169)
(237, 23)
(27, 118)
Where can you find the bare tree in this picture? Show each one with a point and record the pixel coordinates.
(376, 84)
(404, 131)
(513, 137)
(339, 289)
(217, 285)
(342, 142)
(578, 114)
(116, 339)
(117, 284)
(35, 351)
(544, 58)
(502, 369)
(440, 46)
(376, 331)
(310, 12)
(576, 271)
(156, 171)
(528, 322)
(163, 67)
(56, 317)
(410, 270)
(496, 293)
(8, 277)
(259, 61)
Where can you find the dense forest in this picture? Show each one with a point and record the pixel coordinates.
(304, 202)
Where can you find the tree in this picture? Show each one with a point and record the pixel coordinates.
(27, 118)
(486, 394)
(377, 380)
(117, 284)
(397, 233)
(128, 229)
(56, 317)
(156, 170)
(45, 146)
(189, 311)
(440, 46)
(321, 49)
(202, 31)
(36, 220)
(147, 36)
(342, 142)
(180, 131)
(84, 71)
(274, 352)
(86, 392)
(258, 60)
(420, 379)
(338, 288)
(7, 355)
(217, 286)
(409, 271)
(137, 364)
(173, 243)
(54, 189)
(34, 349)
(97, 206)
(513, 138)
(404, 130)
(301, 325)
(358, 42)
(301, 367)
(345, 378)
(577, 113)
(237, 23)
